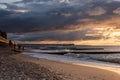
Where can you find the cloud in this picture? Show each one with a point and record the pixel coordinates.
(39, 20)
(8, 1)
(4, 14)
(55, 36)
(2, 6)
(117, 11)
(96, 11)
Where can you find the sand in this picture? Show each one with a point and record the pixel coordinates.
(73, 72)
(12, 68)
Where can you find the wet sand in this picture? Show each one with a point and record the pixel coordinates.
(69, 71)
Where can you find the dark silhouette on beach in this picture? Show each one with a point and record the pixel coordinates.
(3, 34)
(10, 43)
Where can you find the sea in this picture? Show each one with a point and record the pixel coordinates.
(93, 55)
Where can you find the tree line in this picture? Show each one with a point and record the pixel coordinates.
(3, 34)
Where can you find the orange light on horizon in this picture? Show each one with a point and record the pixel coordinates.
(22, 11)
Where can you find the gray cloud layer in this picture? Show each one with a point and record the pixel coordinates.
(22, 16)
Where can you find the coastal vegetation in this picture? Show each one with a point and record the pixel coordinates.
(12, 68)
(3, 34)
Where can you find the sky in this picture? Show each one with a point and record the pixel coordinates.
(79, 22)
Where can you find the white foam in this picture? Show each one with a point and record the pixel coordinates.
(71, 59)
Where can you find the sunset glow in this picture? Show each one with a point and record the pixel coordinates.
(22, 11)
(59, 39)
(79, 22)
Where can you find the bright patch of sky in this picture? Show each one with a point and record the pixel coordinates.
(8, 1)
(2, 6)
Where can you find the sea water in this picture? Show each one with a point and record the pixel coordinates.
(98, 59)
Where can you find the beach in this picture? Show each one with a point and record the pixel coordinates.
(69, 71)
(59, 39)
(12, 68)
(17, 66)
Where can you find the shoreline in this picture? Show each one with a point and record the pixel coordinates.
(23, 66)
(108, 68)
(75, 71)
(96, 64)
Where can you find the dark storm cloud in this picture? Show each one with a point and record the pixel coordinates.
(54, 18)
(4, 13)
(47, 15)
(55, 36)
(19, 22)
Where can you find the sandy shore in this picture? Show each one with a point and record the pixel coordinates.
(13, 68)
(73, 72)
(16, 66)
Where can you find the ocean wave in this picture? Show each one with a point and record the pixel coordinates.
(113, 58)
